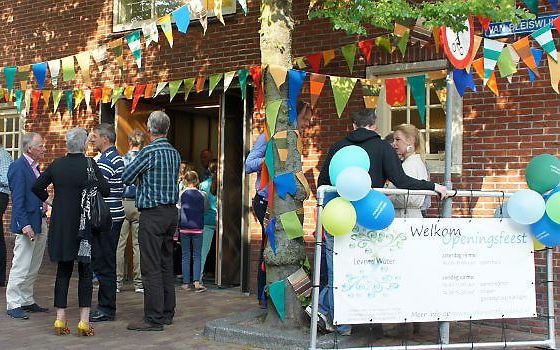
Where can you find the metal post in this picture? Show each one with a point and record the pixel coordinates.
(550, 298)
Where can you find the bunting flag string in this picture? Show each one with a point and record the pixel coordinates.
(492, 51)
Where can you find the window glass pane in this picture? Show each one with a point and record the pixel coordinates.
(10, 124)
(9, 141)
(437, 142)
(397, 118)
(164, 7)
(415, 119)
(3, 121)
(437, 118)
(133, 10)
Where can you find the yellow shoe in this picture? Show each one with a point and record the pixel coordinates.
(61, 327)
(85, 329)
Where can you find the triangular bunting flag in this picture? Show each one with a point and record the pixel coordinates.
(46, 98)
(385, 43)
(290, 222)
(138, 92)
(316, 84)
(129, 92)
(174, 88)
(463, 80)
(69, 97)
(403, 42)
(271, 115)
(277, 293)
(436, 32)
(278, 74)
(532, 5)
(106, 94)
(117, 50)
(68, 72)
(79, 97)
(554, 68)
(342, 89)
(87, 97)
(160, 87)
(269, 158)
(514, 58)
(400, 30)
(150, 90)
(371, 92)
(35, 97)
(285, 184)
(484, 22)
(315, 61)
(40, 73)
(271, 234)
(556, 23)
(242, 76)
(418, 89)
(553, 4)
(200, 80)
(349, 53)
(133, 40)
(492, 51)
(243, 4)
(150, 33)
(214, 79)
(365, 47)
(256, 76)
(544, 37)
(10, 75)
(228, 78)
(99, 55)
(295, 83)
(478, 66)
(182, 17)
(27, 97)
(83, 62)
(97, 95)
(165, 23)
(537, 56)
(395, 91)
(218, 11)
(328, 56)
(116, 95)
(19, 100)
(505, 64)
(493, 84)
(188, 84)
(54, 68)
(23, 75)
(300, 62)
(476, 45)
(199, 11)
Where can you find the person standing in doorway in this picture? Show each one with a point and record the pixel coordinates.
(205, 158)
(29, 223)
(156, 167)
(210, 187)
(104, 244)
(5, 161)
(130, 224)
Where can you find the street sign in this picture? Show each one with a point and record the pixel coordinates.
(526, 26)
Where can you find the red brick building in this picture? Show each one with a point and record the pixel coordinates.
(494, 137)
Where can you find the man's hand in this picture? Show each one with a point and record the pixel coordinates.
(28, 231)
(442, 191)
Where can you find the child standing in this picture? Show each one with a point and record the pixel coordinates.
(191, 225)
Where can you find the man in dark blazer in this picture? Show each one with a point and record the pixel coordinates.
(30, 226)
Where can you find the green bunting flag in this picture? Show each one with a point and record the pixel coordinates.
(505, 64)
(532, 5)
(291, 224)
(56, 95)
(19, 100)
(188, 85)
(269, 158)
(68, 72)
(133, 40)
(10, 75)
(342, 89)
(228, 78)
(214, 80)
(174, 88)
(544, 37)
(418, 89)
(385, 43)
(402, 42)
(116, 95)
(276, 290)
(349, 53)
(242, 76)
(69, 96)
(271, 115)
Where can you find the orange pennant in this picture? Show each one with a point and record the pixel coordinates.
(97, 93)
(200, 80)
(476, 45)
(35, 96)
(316, 83)
(437, 38)
(478, 66)
(138, 92)
(46, 98)
(328, 56)
(106, 95)
(128, 91)
(523, 48)
(256, 75)
(150, 90)
(265, 177)
(493, 84)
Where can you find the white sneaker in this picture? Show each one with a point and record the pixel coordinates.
(118, 290)
(139, 290)
(322, 320)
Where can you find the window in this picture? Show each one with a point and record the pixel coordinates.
(433, 130)
(10, 130)
(131, 14)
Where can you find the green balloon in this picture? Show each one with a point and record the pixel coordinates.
(553, 207)
(543, 173)
(338, 217)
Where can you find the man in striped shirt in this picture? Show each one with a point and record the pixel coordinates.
(155, 171)
(104, 244)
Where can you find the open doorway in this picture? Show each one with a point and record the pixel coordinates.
(218, 124)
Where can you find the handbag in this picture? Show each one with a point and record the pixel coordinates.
(100, 215)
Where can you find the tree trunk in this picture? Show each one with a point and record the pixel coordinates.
(276, 49)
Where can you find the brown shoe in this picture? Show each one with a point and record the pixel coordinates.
(144, 326)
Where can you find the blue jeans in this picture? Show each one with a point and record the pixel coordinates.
(326, 298)
(196, 250)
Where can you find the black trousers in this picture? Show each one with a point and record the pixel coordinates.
(155, 236)
(63, 274)
(259, 208)
(3, 204)
(104, 265)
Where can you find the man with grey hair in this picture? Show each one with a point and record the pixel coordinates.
(155, 171)
(30, 226)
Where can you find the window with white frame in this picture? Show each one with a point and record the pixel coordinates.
(132, 14)
(10, 130)
(433, 127)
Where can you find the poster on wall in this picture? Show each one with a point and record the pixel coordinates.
(423, 270)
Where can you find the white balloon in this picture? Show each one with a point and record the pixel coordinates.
(526, 207)
(353, 183)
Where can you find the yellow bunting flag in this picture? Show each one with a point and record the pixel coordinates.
(554, 68)
(116, 47)
(342, 88)
(300, 62)
(174, 88)
(328, 56)
(116, 95)
(188, 84)
(79, 97)
(129, 92)
(57, 95)
(23, 75)
(278, 74)
(160, 87)
(437, 74)
(437, 38)
(83, 62)
(218, 11)
(106, 95)
(46, 98)
(165, 23)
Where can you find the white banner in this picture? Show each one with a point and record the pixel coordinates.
(422, 270)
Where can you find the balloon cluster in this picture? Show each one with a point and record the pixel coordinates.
(539, 206)
(358, 203)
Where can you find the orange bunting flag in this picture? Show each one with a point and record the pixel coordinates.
(484, 22)
(315, 61)
(199, 86)
(35, 96)
(554, 68)
(46, 98)
(523, 48)
(316, 84)
(97, 93)
(264, 176)
(556, 23)
(138, 92)
(365, 47)
(106, 95)
(328, 56)
(437, 38)
(395, 91)
(256, 75)
(492, 84)
(476, 45)
(150, 90)
(128, 91)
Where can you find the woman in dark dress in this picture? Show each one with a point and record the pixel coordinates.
(67, 235)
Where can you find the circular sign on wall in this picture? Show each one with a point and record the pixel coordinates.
(459, 46)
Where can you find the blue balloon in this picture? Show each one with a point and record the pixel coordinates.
(375, 211)
(346, 157)
(546, 231)
(353, 183)
(547, 195)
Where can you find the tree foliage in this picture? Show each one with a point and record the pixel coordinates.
(353, 16)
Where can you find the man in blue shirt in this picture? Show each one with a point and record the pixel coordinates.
(104, 244)
(156, 168)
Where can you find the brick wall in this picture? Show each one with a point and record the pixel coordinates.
(500, 133)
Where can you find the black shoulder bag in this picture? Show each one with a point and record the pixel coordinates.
(100, 215)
